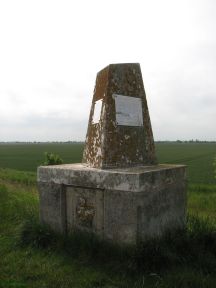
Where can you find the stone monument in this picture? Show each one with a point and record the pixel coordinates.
(119, 192)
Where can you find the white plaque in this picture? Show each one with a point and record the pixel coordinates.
(128, 110)
(97, 112)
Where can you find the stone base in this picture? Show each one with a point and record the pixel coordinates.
(122, 205)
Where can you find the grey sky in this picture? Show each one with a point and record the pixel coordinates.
(50, 52)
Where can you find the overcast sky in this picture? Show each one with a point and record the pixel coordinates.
(50, 52)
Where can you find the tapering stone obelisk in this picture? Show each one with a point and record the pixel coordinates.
(119, 131)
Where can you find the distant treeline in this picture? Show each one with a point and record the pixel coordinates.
(82, 142)
(41, 142)
(185, 141)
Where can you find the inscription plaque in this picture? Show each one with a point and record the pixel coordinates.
(128, 110)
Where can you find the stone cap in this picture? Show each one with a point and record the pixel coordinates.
(134, 179)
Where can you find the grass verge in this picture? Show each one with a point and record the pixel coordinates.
(194, 246)
(34, 256)
(15, 176)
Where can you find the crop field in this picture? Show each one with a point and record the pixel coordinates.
(27, 157)
(198, 157)
(32, 256)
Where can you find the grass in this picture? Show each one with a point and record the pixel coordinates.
(22, 177)
(198, 157)
(27, 157)
(27, 266)
(194, 247)
(34, 256)
(202, 200)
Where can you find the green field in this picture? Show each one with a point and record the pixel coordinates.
(27, 157)
(186, 260)
(197, 156)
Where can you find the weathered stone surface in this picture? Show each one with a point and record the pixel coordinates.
(121, 134)
(122, 205)
(133, 179)
(52, 205)
(134, 199)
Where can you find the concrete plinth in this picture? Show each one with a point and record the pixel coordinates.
(122, 205)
